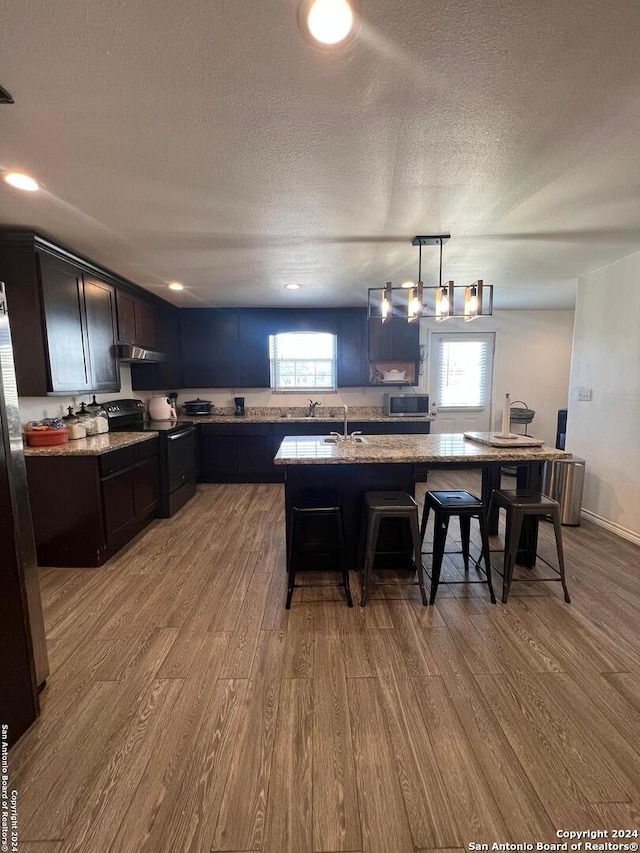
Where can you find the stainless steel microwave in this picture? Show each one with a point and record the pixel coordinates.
(406, 405)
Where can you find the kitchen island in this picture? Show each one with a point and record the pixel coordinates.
(397, 462)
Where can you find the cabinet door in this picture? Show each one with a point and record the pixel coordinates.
(210, 348)
(163, 375)
(217, 456)
(100, 306)
(254, 328)
(255, 455)
(126, 317)
(118, 503)
(405, 345)
(145, 324)
(380, 340)
(145, 487)
(352, 366)
(65, 325)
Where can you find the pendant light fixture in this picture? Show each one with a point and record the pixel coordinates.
(441, 300)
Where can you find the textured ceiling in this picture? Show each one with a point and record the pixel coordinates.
(208, 141)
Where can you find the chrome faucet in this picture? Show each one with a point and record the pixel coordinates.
(312, 408)
(346, 431)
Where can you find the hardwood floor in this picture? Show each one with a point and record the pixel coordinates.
(188, 711)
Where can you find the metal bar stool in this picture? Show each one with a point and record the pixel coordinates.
(465, 506)
(385, 505)
(316, 529)
(521, 504)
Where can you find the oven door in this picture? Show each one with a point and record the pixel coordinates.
(180, 457)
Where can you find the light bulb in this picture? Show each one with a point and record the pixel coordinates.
(176, 285)
(330, 21)
(22, 182)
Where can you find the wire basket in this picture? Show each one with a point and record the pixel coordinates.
(521, 414)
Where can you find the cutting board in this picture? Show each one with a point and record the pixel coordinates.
(494, 440)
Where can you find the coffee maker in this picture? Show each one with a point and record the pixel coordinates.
(239, 401)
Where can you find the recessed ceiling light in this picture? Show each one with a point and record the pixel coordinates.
(175, 285)
(293, 286)
(408, 284)
(22, 182)
(330, 21)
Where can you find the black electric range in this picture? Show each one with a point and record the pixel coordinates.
(176, 451)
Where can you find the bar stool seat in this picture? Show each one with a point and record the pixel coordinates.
(377, 507)
(316, 529)
(521, 504)
(464, 506)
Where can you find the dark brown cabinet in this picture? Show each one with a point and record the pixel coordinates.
(229, 347)
(395, 340)
(65, 326)
(136, 321)
(210, 348)
(237, 452)
(100, 308)
(352, 361)
(79, 314)
(63, 318)
(163, 375)
(100, 504)
(129, 496)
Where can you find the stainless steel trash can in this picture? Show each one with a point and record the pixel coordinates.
(563, 480)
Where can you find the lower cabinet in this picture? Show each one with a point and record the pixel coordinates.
(237, 453)
(100, 503)
(243, 453)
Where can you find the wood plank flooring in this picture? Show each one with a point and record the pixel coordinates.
(188, 711)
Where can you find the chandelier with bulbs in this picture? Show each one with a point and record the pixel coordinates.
(436, 302)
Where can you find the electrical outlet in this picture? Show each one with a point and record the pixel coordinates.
(583, 394)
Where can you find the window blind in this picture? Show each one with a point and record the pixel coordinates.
(463, 372)
(303, 361)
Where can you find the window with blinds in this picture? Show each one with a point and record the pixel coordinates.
(463, 370)
(303, 361)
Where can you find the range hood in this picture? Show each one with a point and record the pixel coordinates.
(134, 353)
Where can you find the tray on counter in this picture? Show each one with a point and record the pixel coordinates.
(494, 440)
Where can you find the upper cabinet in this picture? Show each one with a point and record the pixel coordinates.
(229, 347)
(65, 326)
(353, 367)
(163, 375)
(136, 321)
(79, 314)
(210, 348)
(73, 314)
(100, 309)
(395, 340)
(64, 313)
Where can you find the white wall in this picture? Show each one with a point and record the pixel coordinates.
(532, 362)
(606, 360)
(36, 408)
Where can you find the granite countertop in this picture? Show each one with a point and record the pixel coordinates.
(299, 419)
(96, 445)
(312, 450)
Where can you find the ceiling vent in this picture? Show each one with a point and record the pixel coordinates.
(5, 97)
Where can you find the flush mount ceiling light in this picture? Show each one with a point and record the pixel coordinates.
(292, 286)
(176, 285)
(329, 23)
(438, 302)
(21, 181)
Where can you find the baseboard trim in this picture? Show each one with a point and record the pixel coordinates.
(630, 535)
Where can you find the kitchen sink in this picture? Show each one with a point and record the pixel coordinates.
(356, 439)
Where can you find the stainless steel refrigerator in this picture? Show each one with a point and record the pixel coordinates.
(19, 585)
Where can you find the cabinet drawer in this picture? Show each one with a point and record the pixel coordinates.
(117, 460)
